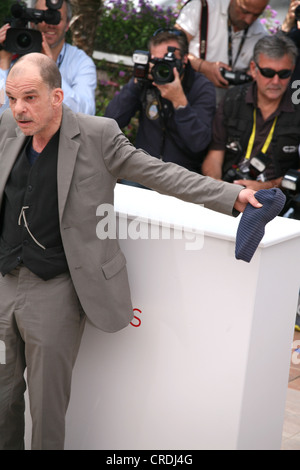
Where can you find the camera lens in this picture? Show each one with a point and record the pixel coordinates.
(24, 40)
(162, 74)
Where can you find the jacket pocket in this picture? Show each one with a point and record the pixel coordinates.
(114, 265)
(90, 183)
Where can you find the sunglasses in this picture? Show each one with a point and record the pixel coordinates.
(175, 32)
(270, 73)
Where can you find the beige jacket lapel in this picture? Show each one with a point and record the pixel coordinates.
(67, 154)
(11, 150)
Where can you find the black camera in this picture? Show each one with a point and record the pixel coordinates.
(291, 185)
(257, 166)
(235, 78)
(291, 181)
(297, 13)
(235, 173)
(162, 70)
(22, 40)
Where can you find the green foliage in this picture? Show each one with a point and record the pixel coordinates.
(124, 27)
(111, 78)
(5, 6)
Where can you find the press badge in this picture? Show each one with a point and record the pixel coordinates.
(152, 111)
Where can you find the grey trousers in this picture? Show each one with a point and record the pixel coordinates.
(41, 325)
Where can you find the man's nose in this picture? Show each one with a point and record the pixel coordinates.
(276, 79)
(19, 107)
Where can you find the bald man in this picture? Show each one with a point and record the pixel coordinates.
(56, 168)
(233, 28)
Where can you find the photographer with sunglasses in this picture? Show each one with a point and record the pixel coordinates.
(175, 118)
(256, 131)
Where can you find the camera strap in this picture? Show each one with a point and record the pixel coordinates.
(164, 115)
(230, 57)
(203, 28)
(252, 138)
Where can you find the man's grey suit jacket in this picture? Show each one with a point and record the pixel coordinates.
(93, 154)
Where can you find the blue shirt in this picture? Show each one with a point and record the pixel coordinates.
(79, 80)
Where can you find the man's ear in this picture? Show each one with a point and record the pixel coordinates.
(57, 97)
(253, 69)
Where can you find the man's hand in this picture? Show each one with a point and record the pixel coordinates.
(246, 196)
(289, 20)
(3, 32)
(46, 48)
(5, 56)
(211, 70)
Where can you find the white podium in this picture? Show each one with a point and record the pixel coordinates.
(205, 363)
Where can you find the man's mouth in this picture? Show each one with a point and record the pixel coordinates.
(22, 122)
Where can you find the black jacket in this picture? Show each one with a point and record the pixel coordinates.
(179, 136)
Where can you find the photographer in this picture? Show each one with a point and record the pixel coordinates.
(175, 117)
(256, 134)
(77, 68)
(290, 20)
(222, 35)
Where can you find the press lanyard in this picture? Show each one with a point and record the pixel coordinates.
(230, 59)
(252, 138)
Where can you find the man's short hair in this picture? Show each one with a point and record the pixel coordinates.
(275, 47)
(48, 69)
(50, 74)
(166, 35)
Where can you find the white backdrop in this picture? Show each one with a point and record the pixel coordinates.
(205, 363)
